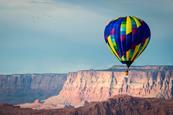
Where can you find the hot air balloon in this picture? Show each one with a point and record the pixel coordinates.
(127, 37)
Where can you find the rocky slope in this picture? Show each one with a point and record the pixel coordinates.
(21, 88)
(88, 86)
(118, 105)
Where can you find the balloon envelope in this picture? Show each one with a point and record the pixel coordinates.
(127, 37)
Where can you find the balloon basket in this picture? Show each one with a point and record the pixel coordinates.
(127, 72)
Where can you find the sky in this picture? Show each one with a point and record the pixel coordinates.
(59, 36)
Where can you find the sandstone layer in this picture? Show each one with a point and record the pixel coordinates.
(22, 88)
(99, 85)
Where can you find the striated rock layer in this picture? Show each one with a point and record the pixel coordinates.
(21, 88)
(88, 86)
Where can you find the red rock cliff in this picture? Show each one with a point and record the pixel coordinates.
(88, 86)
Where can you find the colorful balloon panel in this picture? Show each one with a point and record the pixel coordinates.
(127, 37)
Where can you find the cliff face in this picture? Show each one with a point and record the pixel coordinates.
(20, 88)
(88, 86)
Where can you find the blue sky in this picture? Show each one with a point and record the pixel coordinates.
(41, 36)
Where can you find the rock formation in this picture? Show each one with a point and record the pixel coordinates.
(21, 88)
(88, 86)
(117, 105)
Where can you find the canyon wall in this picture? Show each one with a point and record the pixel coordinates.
(21, 88)
(87, 86)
